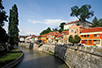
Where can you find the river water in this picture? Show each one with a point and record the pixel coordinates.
(38, 59)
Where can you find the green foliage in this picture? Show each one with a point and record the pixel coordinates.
(3, 16)
(46, 31)
(77, 39)
(55, 29)
(95, 22)
(60, 30)
(100, 22)
(83, 12)
(62, 25)
(13, 30)
(3, 35)
(71, 39)
(8, 57)
(78, 24)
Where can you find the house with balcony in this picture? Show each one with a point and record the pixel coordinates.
(92, 36)
(85, 24)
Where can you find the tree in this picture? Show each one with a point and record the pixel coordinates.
(75, 11)
(61, 26)
(71, 39)
(83, 12)
(55, 29)
(77, 39)
(13, 30)
(95, 22)
(100, 22)
(46, 31)
(3, 16)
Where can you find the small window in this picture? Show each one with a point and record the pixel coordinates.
(90, 42)
(94, 41)
(81, 35)
(95, 35)
(77, 30)
(98, 35)
(72, 30)
(87, 35)
(84, 35)
(98, 41)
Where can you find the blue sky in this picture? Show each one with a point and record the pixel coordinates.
(37, 15)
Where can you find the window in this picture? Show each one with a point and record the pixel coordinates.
(94, 41)
(90, 42)
(96, 35)
(85, 41)
(98, 41)
(87, 35)
(81, 35)
(77, 30)
(84, 35)
(72, 30)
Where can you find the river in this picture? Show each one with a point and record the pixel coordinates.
(38, 59)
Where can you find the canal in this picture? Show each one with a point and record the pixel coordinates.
(38, 59)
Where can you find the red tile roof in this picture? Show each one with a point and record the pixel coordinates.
(65, 32)
(44, 35)
(72, 22)
(59, 35)
(82, 27)
(96, 29)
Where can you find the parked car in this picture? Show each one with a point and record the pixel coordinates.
(80, 45)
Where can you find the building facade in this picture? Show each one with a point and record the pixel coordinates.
(85, 24)
(92, 36)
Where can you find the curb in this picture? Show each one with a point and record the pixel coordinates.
(15, 62)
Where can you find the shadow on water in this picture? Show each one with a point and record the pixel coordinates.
(36, 59)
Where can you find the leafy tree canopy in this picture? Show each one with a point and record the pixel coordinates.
(46, 31)
(3, 16)
(96, 22)
(83, 12)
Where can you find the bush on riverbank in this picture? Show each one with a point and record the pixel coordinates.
(8, 57)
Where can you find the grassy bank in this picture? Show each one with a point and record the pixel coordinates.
(8, 57)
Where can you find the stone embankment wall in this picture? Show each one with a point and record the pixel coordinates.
(74, 59)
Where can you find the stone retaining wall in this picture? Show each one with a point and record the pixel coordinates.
(74, 59)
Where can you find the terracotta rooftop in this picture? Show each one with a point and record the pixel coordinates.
(96, 29)
(65, 32)
(59, 35)
(44, 35)
(82, 27)
(72, 22)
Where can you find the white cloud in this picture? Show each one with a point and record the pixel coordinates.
(28, 31)
(50, 22)
(72, 19)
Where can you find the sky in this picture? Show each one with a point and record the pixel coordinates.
(36, 15)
